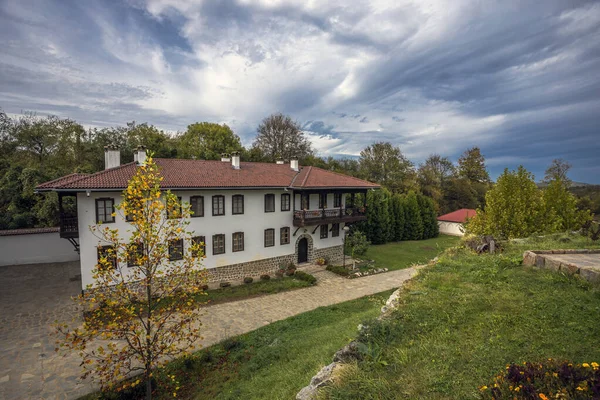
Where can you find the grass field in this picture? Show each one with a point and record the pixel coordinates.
(399, 255)
(273, 362)
(463, 320)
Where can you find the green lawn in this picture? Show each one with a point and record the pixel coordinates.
(463, 320)
(254, 289)
(273, 362)
(399, 255)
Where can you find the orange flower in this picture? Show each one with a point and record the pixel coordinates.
(543, 396)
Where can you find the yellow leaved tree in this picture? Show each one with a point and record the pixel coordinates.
(143, 308)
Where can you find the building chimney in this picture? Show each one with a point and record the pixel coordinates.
(140, 154)
(294, 164)
(235, 160)
(112, 156)
(279, 161)
(225, 157)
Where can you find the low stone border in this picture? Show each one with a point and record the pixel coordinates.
(537, 258)
(345, 355)
(374, 271)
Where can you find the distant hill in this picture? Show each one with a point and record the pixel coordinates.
(573, 184)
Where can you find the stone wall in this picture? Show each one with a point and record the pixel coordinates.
(236, 272)
(333, 254)
(544, 259)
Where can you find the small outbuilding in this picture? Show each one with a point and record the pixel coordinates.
(452, 223)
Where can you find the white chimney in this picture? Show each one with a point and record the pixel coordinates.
(294, 164)
(225, 157)
(112, 156)
(140, 154)
(235, 160)
(279, 161)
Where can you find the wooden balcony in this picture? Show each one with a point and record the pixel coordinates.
(69, 227)
(329, 216)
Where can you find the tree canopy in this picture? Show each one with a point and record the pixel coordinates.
(279, 136)
(207, 141)
(385, 164)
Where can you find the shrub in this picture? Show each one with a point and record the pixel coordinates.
(224, 284)
(280, 273)
(548, 380)
(320, 261)
(338, 269)
(248, 279)
(290, 271)
(265, 277)
(205, 287)
(357, 243)
(303, 276)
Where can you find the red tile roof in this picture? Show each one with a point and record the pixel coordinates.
(458, 215)
(62, 181)
(180, 174)
(28, 231)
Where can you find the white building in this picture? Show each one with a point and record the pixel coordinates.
(252, 217)
(453, 223)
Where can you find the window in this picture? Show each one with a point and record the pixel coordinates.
(237, 204)
(305, 202)
(218, 244)
(107, 253)
(135, 252)
(324, 232)
(285, 202)
(322, 200)
(197, 206)
(337, 199)
(284, 235)
(174, 212)
(269, 237)
(269, 203)
(335, 230)
(200, 241)
(218, 205)
(104, 210)
(176, 250)
(238, 241)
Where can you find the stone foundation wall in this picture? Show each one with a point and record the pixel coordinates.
(334, 254)
(236, 272)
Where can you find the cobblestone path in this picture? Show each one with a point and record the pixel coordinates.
(32, 297)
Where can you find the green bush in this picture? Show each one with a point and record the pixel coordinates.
(303, 276)
(248, 279)
(548, 380)
(357, 243)
(338, 269)
(265, 277)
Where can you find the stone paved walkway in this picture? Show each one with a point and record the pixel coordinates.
(32, 297)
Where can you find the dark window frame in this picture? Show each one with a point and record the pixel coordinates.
(286, 230)
(269, 196)
(216, 197)
(305, 198)
(335, 230)
(112, 206)
(195, 199)
(233, 240)
(101, 249)
(271, 231)
(337, 200)
(174, 245)
(139, 248)
(233, 199)
(324, 232)
(214, 243)
(199, 239)
(286, 202)
(322, 200)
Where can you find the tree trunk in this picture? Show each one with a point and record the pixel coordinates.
(148, 387)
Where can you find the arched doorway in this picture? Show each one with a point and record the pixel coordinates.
(302, 250)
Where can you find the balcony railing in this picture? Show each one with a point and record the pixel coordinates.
(329, 215)
(69, 227)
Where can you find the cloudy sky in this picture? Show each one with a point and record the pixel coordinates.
(520, 79)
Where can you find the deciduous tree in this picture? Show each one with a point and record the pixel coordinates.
(471, 166)
(143, 307)
(207, 141)
(557, 171)
(279, 136)
(385, 164)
